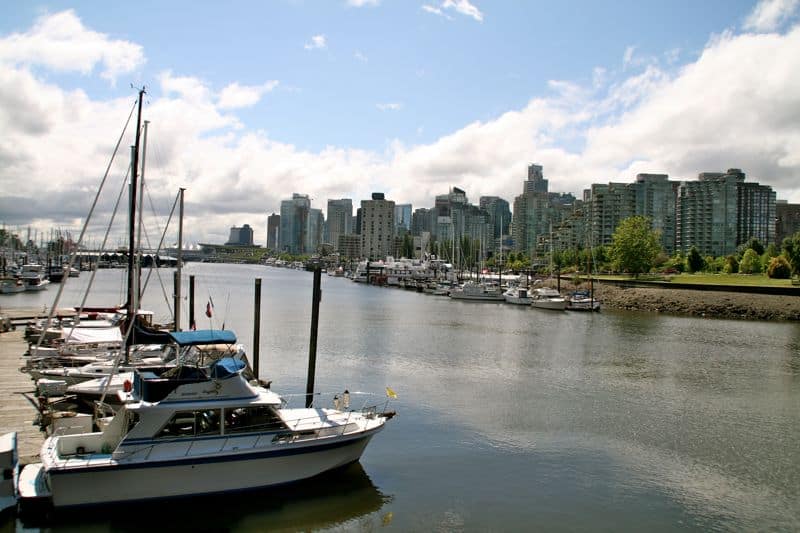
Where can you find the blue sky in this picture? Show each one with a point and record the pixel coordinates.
(253, 101)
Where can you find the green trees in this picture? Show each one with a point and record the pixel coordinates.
(751, 262)
(634, 245)
(694, 261)
(791, 251)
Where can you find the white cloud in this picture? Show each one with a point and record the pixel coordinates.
(237, 96)
(361, 57)
(463, 7)
(316, 42)
(61, 42)
(362, 3)
(389, 106)
(769, 15)
(736, 105)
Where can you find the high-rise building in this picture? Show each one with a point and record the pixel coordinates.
(756, 213)
(655, 199)
(499, 213)
(787, 218)
(608, 205)
(294, 224)
(316, 221)
(707, 213)
(377, 227)
(340, 220)
(422, 220)
(533, 215)
(241, 236)
(402, 216)
(273, 231)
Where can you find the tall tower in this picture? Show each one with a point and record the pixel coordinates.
(377, 227)
(340, 220)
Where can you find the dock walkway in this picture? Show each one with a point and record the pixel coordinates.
(18, 411)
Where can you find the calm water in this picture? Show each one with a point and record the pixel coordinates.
(509, 418)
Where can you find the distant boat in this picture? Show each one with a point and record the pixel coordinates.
(548, 298)
(518, 296)
(582, 301)
(12, 286)
(477, 292)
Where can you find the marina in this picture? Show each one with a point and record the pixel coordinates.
(508, 418)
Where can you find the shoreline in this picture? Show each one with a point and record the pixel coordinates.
(698, 303)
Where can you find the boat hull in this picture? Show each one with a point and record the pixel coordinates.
(117, 482)
(553, 305)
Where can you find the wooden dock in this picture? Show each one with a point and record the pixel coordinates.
(18, 411)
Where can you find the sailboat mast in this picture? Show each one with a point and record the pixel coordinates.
(131, 306)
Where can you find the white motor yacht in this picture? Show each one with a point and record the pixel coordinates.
(548, 298)
(199, 430)
(477, 292)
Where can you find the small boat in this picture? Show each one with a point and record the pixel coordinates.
(477, 292)
(548, 298)
(582, 301)
(12, 286)
(517, 295)
(199, 430)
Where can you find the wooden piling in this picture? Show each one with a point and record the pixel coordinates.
(257, 327)
(312, 346)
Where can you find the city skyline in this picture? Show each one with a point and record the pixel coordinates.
(320, 99)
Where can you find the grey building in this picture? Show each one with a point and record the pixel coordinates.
(377, 227)
(241, 236)
(273, 231)
(402, 216)
(294, 224)
(340, 220)
(787, 220)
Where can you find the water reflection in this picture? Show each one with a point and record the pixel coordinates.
(342, 498)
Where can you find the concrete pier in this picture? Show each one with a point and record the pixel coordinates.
(18, 411)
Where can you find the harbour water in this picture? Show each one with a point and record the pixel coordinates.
(509, 418)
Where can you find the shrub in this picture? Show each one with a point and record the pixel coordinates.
(779, 268)
(731, 265)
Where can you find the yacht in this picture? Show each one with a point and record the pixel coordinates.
(582, 301)
(200, 430)
(517, 295)
(477, 292)
(548, 298)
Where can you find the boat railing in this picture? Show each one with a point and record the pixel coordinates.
(370, 403)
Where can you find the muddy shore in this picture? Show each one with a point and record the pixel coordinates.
(696, 302)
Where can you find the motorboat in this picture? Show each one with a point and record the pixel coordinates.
(477, 292)
(34, 277)
(517, 295)
(582, 301)
(12, 285)
(200, 429)
(548, 298)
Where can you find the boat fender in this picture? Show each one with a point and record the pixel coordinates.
(127, 385)
(336, 402)
(346, 399)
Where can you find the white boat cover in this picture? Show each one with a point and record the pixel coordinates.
(80, 335)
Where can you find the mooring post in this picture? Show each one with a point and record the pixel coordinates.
(192, 324)
(312, 346)
(257, 327)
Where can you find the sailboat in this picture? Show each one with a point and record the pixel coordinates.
(203, 427)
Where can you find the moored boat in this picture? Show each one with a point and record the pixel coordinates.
(548, 298)
(198, 430)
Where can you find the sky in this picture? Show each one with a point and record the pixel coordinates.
(251, 101)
